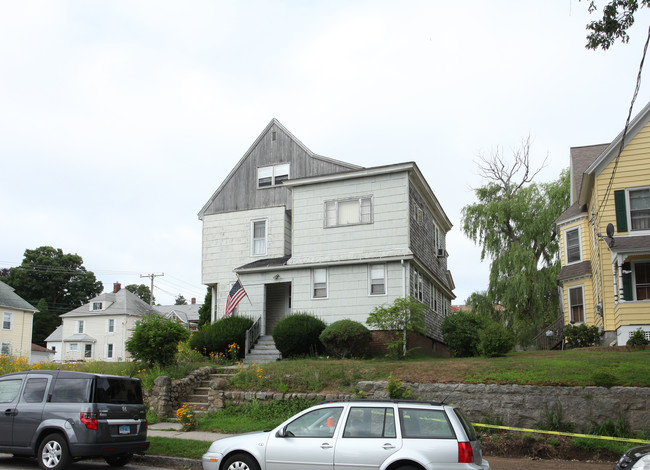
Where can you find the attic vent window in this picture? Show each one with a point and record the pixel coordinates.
(274, 175)
(273, 136)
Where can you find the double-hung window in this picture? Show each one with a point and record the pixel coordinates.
(377, 279)
(110, 325)
(80, 326)
(273, 175)
(419, 286)
(348, 212)
(88, 350)
(640, 209)
(572, 243)
(7, 320)
(109, 351)
(642, 280)
(576, 305)
(319, 283)
(258, 237)
(437, 242)
(5, 348)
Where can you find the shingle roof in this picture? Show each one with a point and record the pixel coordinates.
(581, 158)
(266, 263)
(186, 313)
(56, 336)
(9, 299)
(123, 302)
(576, 270)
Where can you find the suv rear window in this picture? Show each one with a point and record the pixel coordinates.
(426, 424)
(469, 429)
(117, 390)
(71, 390)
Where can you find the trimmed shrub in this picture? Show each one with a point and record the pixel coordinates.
(215, 338)
(461, 333)
(581, 336)
(346, 338)
(495, 340)
(637, 339)
(155, 340)
(297, 335)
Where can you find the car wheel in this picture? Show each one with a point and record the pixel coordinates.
(53, 453)
(118, 460)
(407, 467)
(240, 462)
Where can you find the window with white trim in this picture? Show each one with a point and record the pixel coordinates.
(258, 237)
(576, 305)
(645, 333)
(319, 283)
(73, 347)
(7, 320)
(639, 208)
(642, 280)
(377, 274)
(572, 244)
(80, 326)
(110, 325)
(419, 286)
(88, 350)
(97, 305)
(109, 351)
(348, 212)
(437, 241)
(5, 348)
(273, 175)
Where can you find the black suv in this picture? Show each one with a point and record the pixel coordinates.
(59, 416)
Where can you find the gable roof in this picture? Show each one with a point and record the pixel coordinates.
(274, 125)
(611, 152)
(122, 302)
(9, 299)
(185, 313)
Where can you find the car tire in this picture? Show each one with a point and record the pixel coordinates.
(240, 462)
(118, 460)
(407, 467)
(53, 453)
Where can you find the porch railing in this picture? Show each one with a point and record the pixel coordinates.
(252, 335)
(551, 336)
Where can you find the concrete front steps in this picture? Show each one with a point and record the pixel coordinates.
(263, 351)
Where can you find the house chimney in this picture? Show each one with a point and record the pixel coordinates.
(116, 287)
(193, 300)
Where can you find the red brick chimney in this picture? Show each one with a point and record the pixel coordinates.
(116, 287)
(193, 300)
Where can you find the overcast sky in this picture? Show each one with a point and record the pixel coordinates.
(119, 119)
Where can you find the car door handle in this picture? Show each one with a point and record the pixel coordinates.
(388, 445)
(326, 445)
(11, 412)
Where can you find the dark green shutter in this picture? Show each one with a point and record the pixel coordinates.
(621, 211)
(627, 282)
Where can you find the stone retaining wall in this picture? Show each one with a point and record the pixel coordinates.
(516, 405)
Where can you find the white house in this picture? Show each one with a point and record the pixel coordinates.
(307, 233)
(17, 319)
(99, 329)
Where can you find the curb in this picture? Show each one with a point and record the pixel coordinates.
(167, 462)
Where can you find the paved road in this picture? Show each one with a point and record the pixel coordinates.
(8, 462)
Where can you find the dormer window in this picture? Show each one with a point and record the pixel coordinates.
(272, 175)
(97, 306)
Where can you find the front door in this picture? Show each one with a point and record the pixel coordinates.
(278, 303)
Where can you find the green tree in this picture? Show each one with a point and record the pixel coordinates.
(180, 300)
(402, 317)
(44, 323)
(141, 291)
(618, 17)
(60, 279)
(513, 221)
(461, 333)
(205, 310)
(155, 340)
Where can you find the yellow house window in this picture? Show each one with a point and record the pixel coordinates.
(576, 305)
(642, 280)
(573, 245)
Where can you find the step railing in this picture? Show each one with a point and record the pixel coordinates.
(551, 336)
(252, 335)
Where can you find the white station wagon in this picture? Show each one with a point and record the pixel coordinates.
(354, 435)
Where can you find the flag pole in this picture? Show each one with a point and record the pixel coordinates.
(242, 287)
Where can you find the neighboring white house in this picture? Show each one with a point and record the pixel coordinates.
(41, 354)
(308, 233)
(17, 320)
(99, 329)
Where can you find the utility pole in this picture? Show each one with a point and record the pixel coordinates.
(152, 275)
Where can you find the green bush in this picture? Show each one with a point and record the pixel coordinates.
(581, 336)
(297, 335)
(461, 333)
(155, 340)
(346, 338)
(215, 338)
(604, 379)
(495, 340)
(637, 339)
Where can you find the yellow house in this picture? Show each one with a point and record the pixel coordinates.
(16, 328)
(605, 235)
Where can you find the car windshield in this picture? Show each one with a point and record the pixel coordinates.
(124, 391)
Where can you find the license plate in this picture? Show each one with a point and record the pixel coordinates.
(125, 429)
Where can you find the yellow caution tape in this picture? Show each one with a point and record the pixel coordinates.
(558, 433)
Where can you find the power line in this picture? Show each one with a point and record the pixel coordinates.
(152, 276)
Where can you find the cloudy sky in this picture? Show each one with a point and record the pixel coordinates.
(119, 119)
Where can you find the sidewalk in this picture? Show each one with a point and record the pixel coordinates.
(174, 430)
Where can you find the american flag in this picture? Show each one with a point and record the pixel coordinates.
(235, 295)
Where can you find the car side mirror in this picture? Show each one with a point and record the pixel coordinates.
(282, 432)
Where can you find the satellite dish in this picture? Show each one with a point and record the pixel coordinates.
(610, 230)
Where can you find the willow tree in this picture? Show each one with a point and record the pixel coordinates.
(513, 222)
